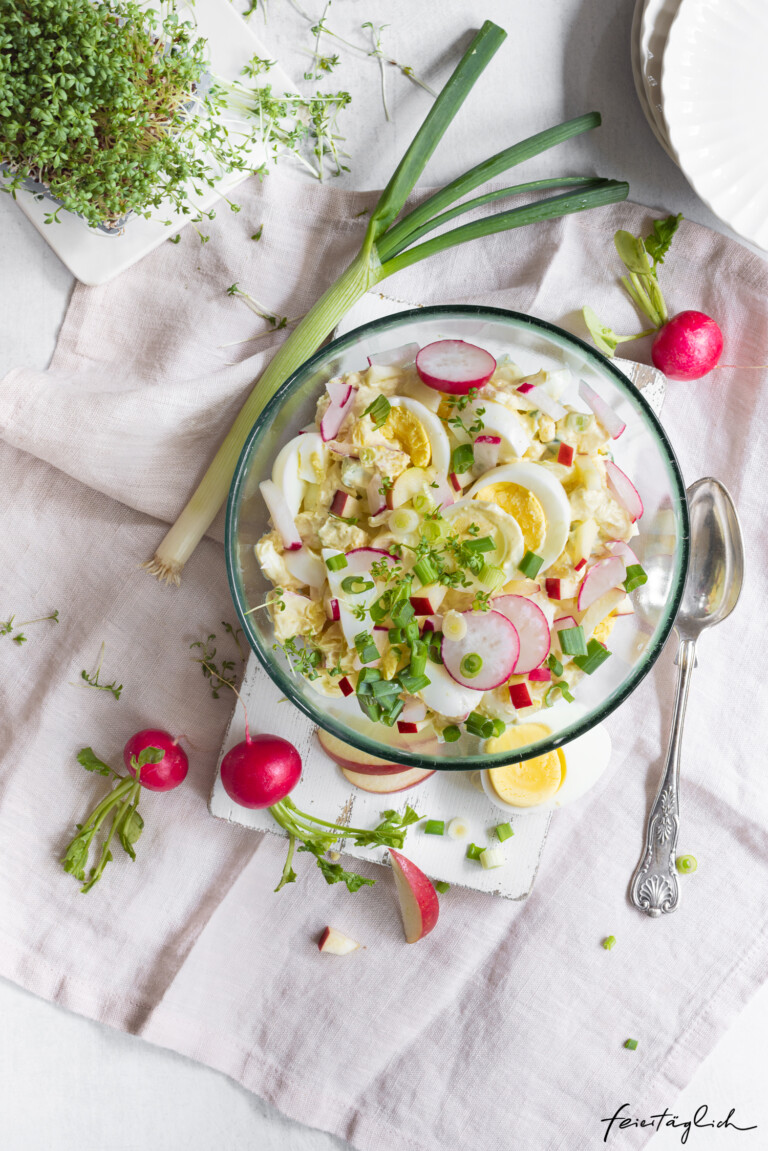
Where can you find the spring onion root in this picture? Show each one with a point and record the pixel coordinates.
(387, 248)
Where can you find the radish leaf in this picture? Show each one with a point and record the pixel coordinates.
(658, 242)
(91, 762)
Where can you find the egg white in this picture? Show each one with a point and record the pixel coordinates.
(550, 494)
(509, 530)
(500, 421)
(285, 473)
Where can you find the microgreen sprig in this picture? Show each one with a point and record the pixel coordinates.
(92, 679)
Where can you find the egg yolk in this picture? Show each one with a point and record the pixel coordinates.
(534, 780)
(404, 428)
(523, 506)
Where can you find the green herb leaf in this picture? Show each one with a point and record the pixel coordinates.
(632, 252)
(91, 762)
(658, 242)
(130, 830)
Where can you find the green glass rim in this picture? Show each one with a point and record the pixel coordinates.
(282, 677)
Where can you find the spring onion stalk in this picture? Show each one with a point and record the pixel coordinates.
(387, 249)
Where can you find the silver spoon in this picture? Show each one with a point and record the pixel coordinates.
(712, 589)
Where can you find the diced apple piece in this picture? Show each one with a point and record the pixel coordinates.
(427, 600)
(333, 942)
(419, 905)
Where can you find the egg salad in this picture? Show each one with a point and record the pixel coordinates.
(450, 547)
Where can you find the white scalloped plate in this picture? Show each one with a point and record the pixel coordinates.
(655, 24)
(715, 84)
(637, 71)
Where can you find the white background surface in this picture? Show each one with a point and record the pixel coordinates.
(70, 1085)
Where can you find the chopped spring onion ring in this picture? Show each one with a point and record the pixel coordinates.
(530, 564)
(471, 665)
(462, 458)
(403, 521)
(578, 423)
(356, 584)
(609, 942)
(413, 683)
(479, 725)
(411, 631)
(402, 613)
(422, 503)
(631, 1044)
(379, 411)
(366, 648)
(595, 657)
(418, 664)
(451, 733)
(473, 851)
(367, 456)
(434, 827)
(454, 625)
(686, 864)
(491, 577)
(554, 665)
(336, 563)
(483, 544)
(492, 857)
(434, 530)
(457, 828)
(551, 695)
(396, 635)
(504, 831)
(499, 727)
(636, 577)
(425, 570)
(573, 641)
(441, 886)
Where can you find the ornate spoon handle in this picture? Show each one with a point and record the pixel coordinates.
(654, 888)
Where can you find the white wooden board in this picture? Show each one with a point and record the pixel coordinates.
(325, 792)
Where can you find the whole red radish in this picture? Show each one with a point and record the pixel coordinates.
(260, 771)
(688, 346)
(168, 772)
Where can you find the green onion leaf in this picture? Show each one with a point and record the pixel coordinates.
(379, 411)
(530, 564)
(471, 665)
(483, 544)
(425, 570)
(504, 831)
(573, 641)
(451, 733)
(595, 657)
(434, 827)
(336, 563)
(356, 584)
(636, 577)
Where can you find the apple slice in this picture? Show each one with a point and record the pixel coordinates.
(419, 905)
(345, 755)
(334, 942)
(386, 784)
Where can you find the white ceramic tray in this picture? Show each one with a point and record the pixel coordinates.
(94, 257)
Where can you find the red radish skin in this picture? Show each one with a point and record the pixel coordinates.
(346, 686)
(334, 612)
(532, 628)
(604, 413)
(343, 504)
(493, 637)
(688, 346)
(581, 564)
(333, 942)
(172, 768)
(552, 587)
(342, 397)
(419, 905)
(565, 454)
(520, 696)
(260, 771)
(600, 578)
(454, 366)
(540, 675)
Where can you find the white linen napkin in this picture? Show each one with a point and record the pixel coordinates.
(504, 1026)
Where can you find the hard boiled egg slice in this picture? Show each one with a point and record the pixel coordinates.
(531, 494)
(420, 432)
(500, 421)
(285, 473)
(490, 520)
(581, 763)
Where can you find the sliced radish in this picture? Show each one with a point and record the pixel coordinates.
(486, 451)
(414, 710)
(532, 629)
(455, 482)
(581, 564)
(332, 609)
(454, 366)
(280, 514)
(612, 423)
(624, 490)
(445, 696)
(499, 421)
(307, 567)
(342, 397)
(359, 560)
(376, 496)
(492, 638)
(540, 675)
(539, 397)
(600, 578)
(427, 600)
(619, 548)
(395, 357)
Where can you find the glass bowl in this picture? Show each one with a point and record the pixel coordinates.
(643, 452)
